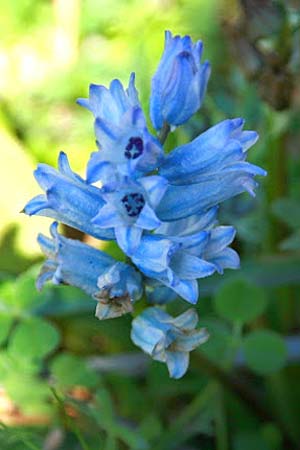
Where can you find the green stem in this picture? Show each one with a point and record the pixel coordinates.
(220, 420)
(163, 134)
(70, 424)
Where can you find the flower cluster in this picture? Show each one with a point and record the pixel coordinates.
(160, 208)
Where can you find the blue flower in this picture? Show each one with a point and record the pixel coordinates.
(178, 261)
(121, 131)
(173, 263)
(168, 339)
(179, 84)
(208, 171)
(68, 199)
(130, 210)
(114, 284)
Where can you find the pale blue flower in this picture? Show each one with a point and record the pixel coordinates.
(121, 131)
(168, 339)
(208, 171)
(114, 284)
(179, 261)
(68, 199)
(171, 262)
(179, 84)
(130, 209)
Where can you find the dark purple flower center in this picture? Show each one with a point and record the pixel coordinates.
(134, 148)
(133, 203)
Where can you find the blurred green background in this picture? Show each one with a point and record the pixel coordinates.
(68, 381)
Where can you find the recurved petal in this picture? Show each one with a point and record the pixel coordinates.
(36, 204)
(186, 321)
(187, 289)
(220, 237)
(186, 342)
(189, 267)
(178, 363)
(226, 259)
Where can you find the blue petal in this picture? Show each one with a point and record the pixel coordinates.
(155, 186)
(183, 201)
(145, 337)
(187, 289)
(188, 267)
(178, 363)
(226, 259)
(153, 254)
(147, 219)
(220, 237)
(188, 342)
(186, 321)
(107, 217)
(128, 238)
(36, 204)
(189, 225)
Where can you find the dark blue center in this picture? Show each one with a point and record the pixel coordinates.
(134, 203)
(134, 148)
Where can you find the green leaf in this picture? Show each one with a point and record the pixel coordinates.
(6, 321)
(288, 210)
(33, 337)
(29, 393)
(11, 364)
(70, 370)
(240, 301)
(265, 351)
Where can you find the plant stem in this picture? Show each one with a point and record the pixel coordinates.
(163, 134)
(220, 420)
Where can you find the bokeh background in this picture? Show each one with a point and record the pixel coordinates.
(68, 381)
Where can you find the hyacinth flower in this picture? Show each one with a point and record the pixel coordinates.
(161, 209)
(179, 84)
(68, 199)
(214, 162)
(115, 285)
(168, 339)
(130, 209)
(179, 261)
(121, 133)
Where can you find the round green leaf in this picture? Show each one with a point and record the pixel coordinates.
(240, 301)
(6, 321)
(34, 337)
(265, 351)
(70, 370)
